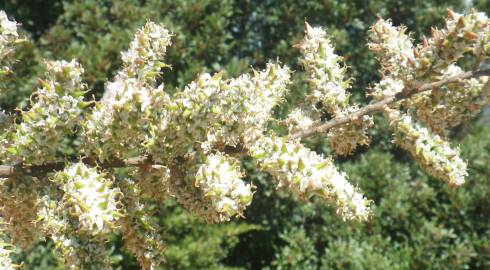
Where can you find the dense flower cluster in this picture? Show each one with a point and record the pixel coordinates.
(430, 60)
(211, 112)
(54, 114)
(189, 143)
(405, 67)
(452, 104)
(468, 33)
(119, 119)
(325, 74)
(305, 173)
(397, 52)
(78, 210)
(215, 198)
(90, 198)
(141, 235)
(329, 88)
(5, 250)
(80, 252)
(220, 181)
(433, 153)
(8, 36)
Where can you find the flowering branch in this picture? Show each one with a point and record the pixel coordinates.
(187, 145)
(380, 105)
(7, 171)
(41, 170)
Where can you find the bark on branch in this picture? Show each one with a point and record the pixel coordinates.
(41, 170)
(379, 105)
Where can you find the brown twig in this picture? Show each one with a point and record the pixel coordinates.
(379, 105)
(41, 170)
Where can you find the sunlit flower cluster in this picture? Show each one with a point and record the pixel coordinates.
(258, 95)
(439, 109)
(211, 112)
(188, 143)
(220, 181)
(79, 252)
(8, 36)
(468, 33)
(212, 197)
(452, 104)
(325, 74)
(54, 114)
(395, 48)
(119, 120)
(329, 87)
(305, 173)
(430, 151)
(90, 197)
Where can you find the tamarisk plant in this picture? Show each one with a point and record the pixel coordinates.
(188, 145)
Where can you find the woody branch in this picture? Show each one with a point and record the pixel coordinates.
(7, 171)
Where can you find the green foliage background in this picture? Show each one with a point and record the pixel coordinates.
(418, 222)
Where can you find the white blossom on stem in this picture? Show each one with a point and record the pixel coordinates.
(8, 37)
(329, 87)
(305, 173)
(430, 151)
(5, 250)
(451, 105)
(79, 252)
(394, 48)
(120, 120)
(219, 178)
(90, 197)
(53, 115)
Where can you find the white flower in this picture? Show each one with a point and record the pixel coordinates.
(325, 74)
(131, 100)
(394, 47)
(54, 115)
(8, 36)
(430, 151)
(221, 182)
(305, 174)
(91, 198)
